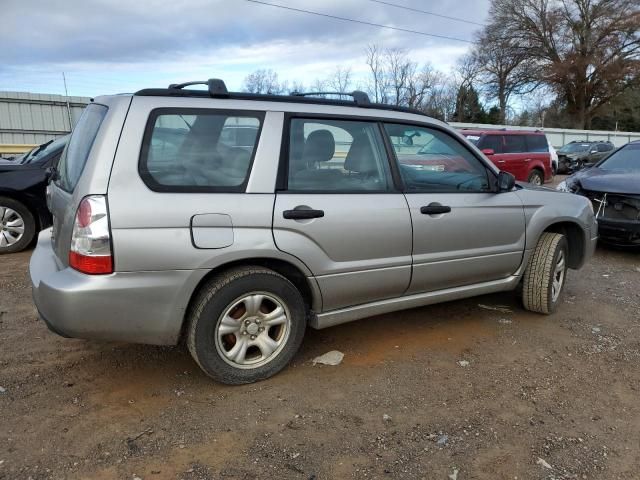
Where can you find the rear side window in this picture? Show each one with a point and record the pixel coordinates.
(537, 144)
(514, 144)
(199, 150)
(337, 156)
(77, 150)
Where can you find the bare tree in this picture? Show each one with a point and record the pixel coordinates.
(264, 81)
(505, 68)
(340, 81)
(588, 50)
(378, 82)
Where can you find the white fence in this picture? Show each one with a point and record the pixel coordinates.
(561, 136)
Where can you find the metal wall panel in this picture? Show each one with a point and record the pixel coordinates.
(34, 118)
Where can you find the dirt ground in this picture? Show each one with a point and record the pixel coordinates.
(541, 397)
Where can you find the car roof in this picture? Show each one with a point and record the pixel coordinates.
(500, 132)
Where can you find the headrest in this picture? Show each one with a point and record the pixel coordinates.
(360, 158)
(320, 146)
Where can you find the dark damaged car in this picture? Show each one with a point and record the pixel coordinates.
(23, 183)
(613, 186)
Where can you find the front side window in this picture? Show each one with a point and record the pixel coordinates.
(515, 144)
(604, 147)
(493, 142)
(199, 150)
(436, 162)
(76, 152)
(337, 156)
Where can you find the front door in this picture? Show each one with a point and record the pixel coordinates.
(338, 211)
(463, 232)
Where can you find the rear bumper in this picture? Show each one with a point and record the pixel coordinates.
(138, 307)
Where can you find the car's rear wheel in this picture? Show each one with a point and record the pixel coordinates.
(546, 273)
(535, 177)
(246, 325)
(17, 226)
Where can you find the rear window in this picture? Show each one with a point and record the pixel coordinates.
(537, 144)
(77, 151)
(199, 150)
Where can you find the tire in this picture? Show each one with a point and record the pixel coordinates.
(227, 302)
(546, 274)
(535, 177)
(17, 226)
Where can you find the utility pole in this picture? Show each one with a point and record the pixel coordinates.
(66, 94)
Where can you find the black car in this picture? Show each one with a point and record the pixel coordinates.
(23, 205)
(613, 186)
(578, 154)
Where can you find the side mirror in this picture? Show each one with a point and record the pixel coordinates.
(506, 182)
(595, 150)
(488, 151)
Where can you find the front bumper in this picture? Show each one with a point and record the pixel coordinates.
(619, 231)
(137, 307)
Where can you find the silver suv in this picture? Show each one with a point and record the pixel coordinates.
(232, 221)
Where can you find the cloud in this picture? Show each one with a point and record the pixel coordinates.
(112, 44)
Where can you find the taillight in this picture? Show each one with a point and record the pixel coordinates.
(90, 250)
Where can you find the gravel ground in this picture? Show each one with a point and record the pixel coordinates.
(423, 393)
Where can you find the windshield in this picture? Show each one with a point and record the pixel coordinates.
(43, 150)
(574, 148)
(627, 158)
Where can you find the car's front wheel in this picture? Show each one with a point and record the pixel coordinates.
(17, 226)
(246, 325)
(546, 273)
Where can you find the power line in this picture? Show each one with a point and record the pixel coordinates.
(404, 7)
(362, 22)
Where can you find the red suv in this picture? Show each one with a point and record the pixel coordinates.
(523, 154)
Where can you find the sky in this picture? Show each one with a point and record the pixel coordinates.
(108, 46)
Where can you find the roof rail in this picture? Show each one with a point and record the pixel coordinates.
(216, 87)
(359, 97)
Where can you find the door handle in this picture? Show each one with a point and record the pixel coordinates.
(502, 161)
(302, 214)
(434, 209)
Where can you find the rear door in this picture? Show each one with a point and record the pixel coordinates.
(463, 232)
(338, 210)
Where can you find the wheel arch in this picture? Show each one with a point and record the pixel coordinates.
(575, 236)
(308, 287)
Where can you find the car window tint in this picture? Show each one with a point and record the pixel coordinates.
(514, 144)
(198, 150)
(537, 144)
(494, 142)
(77, 150)
(433, 161)
(337, 155)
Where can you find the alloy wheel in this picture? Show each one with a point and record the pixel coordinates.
(11, 227)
